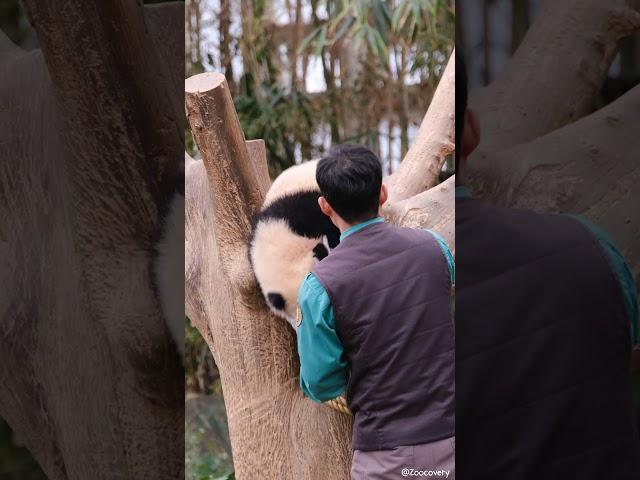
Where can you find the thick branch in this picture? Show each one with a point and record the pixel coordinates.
(556, 73)
(435, 140)
(199, 237)
(258, 155)
(7, 48)
(79, 197)
(165, 22)
(433, 209)
(590, 167)
(138, 133)
(215, 126)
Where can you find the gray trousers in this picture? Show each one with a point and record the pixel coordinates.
(435, 460)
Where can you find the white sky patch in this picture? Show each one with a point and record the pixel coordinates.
(314, 82)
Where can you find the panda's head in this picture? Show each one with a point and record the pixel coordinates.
(289, 237)
(281, 259)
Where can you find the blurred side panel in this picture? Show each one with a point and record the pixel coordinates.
(547, 239)
(91, 239)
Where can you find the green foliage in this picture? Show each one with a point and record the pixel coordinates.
(189, 143)
(281, 117)
(201, 373)
(207, 446)
(12, 21)
(16, 462)
(426, 27)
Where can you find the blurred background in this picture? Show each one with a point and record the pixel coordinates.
(309, 74)
(305, 75)
(491, 31)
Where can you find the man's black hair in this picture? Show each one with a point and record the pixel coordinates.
(461, 100)
(350, 177)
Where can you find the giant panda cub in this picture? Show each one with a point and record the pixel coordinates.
(290, 235)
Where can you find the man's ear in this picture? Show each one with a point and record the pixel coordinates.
(471, 133)
(325, 207)
(384, 194)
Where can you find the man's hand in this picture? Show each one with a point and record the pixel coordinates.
(340, 404)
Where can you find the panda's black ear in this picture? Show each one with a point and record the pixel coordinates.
(320, 251)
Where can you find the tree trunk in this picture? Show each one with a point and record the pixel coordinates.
(574, 65)
(544, 157)
(91, 381)
(486, 40)
(329, 80)
(519, 22)
(274, 430)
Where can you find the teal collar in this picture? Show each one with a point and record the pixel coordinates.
(359, 226)
(463, 192)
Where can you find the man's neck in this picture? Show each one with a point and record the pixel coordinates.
(346, 226)
(343, 226)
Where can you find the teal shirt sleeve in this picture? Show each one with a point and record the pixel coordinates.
(323, 369)
(447, 255)
(621, 270)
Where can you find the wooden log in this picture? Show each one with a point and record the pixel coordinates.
(91, 382)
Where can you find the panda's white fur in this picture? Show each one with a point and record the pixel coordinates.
(168, 264)
(169, 270)
(299, 178)
(289, 237)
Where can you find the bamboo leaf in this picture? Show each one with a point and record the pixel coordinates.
(333, 24)
(344, 28)
(321, 43)
(371, 41)
(383, 48)
(308, 40)
(396, 17)
(381, 18)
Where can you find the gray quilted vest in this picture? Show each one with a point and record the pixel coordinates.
(542, 351)
(390, 292)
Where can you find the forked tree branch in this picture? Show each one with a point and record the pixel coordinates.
(556, 172)
(556, 73)
(433, 209)
(423, 162)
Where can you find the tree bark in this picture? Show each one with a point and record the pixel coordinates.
(274, 430)
(543, 148)
(553, 77)
(432, 208)
(542, 145)
(91, 381)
